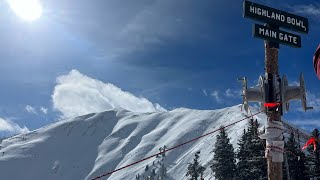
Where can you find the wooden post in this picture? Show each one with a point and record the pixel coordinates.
(273, 95)
(272, 81)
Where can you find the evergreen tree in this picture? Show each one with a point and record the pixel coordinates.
(162, 170)
(224, 161)
(243, 166)
(147, 174)
(251, 162)
(313, 157)
(195, 170)
(256, 145)
(296, 159)
(157, 170)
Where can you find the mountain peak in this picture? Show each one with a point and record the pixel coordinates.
(90, 145)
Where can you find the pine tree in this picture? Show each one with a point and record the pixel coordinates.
(195, 170)
(313, 157)
(256, 145)
(243, 166)
(162, 171)
(224, 161)
(158, 170)
(296, 159)
(251, 162)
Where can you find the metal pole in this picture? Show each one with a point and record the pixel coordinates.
(273, 95)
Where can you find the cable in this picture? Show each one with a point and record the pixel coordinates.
(172, 148)
(177, 146)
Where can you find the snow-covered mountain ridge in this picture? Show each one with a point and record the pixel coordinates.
(90, 145)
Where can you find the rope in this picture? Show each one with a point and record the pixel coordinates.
(275, 147)
(177, 146)
(174, 147)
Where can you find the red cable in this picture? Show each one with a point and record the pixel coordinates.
(166, 150)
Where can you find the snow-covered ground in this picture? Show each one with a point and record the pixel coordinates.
(90, 145)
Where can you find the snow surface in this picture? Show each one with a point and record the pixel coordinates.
(91, 145)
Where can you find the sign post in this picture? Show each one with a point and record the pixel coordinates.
(273, 95)
(272, 89)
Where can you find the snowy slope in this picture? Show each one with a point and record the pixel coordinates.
(90, 145)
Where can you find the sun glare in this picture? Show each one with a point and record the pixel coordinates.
(29, 10)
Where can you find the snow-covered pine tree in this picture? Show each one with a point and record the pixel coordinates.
(296, 160)
(157, 170)
(148, 174)
(162, 171)
(251, 162)
(195, 170)
(243, 166)
(223, 164)
(259, 162)
(313, 157)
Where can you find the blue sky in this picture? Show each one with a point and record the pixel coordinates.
(177, 53)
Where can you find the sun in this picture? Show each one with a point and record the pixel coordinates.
(29, 10)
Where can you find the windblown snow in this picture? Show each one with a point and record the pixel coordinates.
(93, 144)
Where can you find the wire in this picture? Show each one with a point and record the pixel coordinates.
(177, 146)
(174, 147)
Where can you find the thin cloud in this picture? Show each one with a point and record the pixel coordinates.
(205, 92)
(44, 110)
(313, 100)
(76, 94)
(225, 97)
(7, 126)
(231, 93)
(294, 83)
(30, 109)
(307, 9)
(216, 96)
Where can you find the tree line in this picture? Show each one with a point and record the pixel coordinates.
(248, 161)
